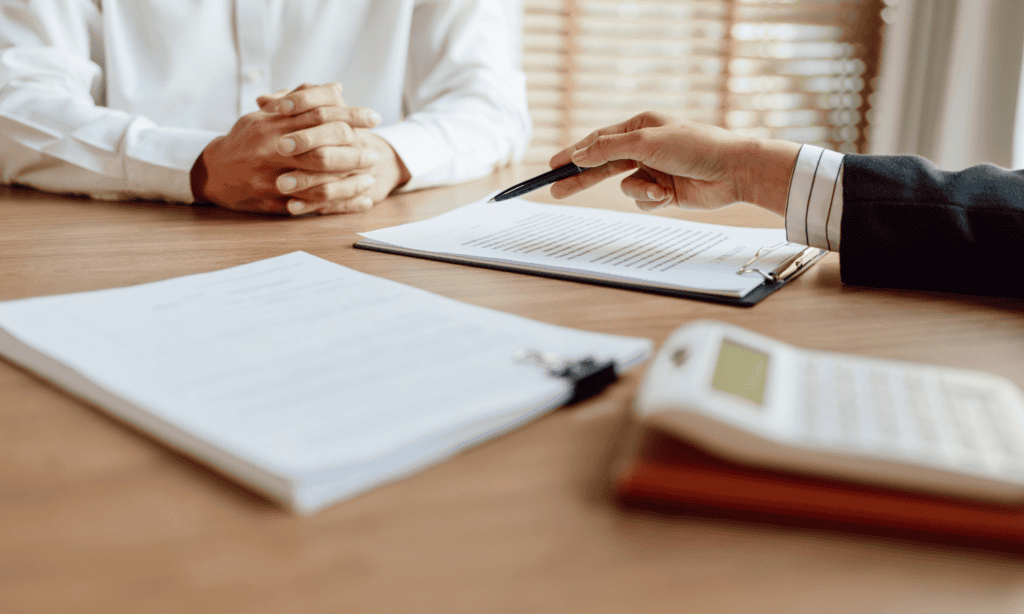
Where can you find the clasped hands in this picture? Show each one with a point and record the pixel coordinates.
(304, 151)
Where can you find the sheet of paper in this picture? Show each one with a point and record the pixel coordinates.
(300, 363)
(627, 246)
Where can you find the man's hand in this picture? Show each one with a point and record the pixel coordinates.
(681, 163)
(319, 145)
(302, 154)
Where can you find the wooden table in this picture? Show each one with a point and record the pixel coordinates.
(97, 517)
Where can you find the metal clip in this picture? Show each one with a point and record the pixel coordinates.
(764, 251)
(586, 376)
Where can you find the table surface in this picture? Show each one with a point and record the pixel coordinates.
(97, 517)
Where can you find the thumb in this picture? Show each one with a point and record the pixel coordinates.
(611, 147)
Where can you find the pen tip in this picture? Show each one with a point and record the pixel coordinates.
(492, 201)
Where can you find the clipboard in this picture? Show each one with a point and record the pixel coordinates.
(467, 380)
(658, 472)
(773, 279)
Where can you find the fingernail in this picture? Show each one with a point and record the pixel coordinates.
(366, 181)
(286, 146)
(287, 183)
(286, 106)
(655, 193)
(372, 157)
(373, 118)
(364, 202)
(296, 207)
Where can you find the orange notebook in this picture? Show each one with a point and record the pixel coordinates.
(657, 471)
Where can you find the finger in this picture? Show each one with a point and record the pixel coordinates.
(647, 194)
(324, 127)
(266, 206)
(336, 159)
(300, 207)
(642, 187)
(311, 97)
(266, 99)
(317, 187)
(589, 178)
(563, 157)
(359, 204)
(333, 134)
(649, 205)
(611, 147)
(357, 117)
(566, 155)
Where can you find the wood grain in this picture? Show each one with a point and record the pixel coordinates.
(97, 517)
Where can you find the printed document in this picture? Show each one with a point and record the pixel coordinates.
(643, 249)
(308, 380)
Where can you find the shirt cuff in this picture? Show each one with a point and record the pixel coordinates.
(814, 209)
(160, 160)
(418, 150)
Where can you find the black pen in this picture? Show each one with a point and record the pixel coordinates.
(557, 174)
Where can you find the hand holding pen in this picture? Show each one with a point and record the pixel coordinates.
(608, 152)
(565, 166)
(678, 162)
(674, 162)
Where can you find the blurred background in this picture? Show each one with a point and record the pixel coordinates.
(938, 78)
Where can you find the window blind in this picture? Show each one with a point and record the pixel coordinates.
(801, 70)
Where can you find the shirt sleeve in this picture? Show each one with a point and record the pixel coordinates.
(814, 210)
(465, 103)
(54, 133)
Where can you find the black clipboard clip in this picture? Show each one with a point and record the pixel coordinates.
(788, 268)
(586, 376)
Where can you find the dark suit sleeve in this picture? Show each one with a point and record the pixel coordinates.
(909, 225)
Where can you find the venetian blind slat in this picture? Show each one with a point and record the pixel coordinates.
(796, 70)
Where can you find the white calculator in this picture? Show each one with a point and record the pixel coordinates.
(757, 401)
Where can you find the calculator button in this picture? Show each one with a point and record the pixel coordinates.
(822, 425)
(847, 405)
(918, 405)
(868, 409)
(973, 442)
(891, 411)
(882, 413)
(1006, 419)
(813, 425)
(997, 421)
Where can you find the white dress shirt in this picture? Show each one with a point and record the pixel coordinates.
(119, 101)
(814, 211)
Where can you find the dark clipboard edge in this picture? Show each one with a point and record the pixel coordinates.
(752, 298)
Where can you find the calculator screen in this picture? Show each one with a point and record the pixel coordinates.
(741, 371)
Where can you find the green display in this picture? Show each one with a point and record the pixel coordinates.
(741, 371)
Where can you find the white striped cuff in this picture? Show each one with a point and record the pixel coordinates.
(815, 206)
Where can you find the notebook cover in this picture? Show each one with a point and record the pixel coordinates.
(752, 298)
(657, 471)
